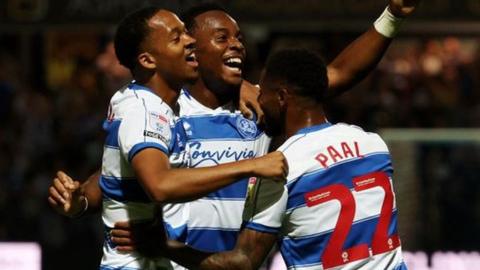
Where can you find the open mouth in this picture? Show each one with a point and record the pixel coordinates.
(234, 64)
(191, 59)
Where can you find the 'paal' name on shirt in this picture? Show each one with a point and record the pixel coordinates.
(335, 153)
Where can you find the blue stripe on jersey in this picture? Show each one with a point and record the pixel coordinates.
(123, 190)
(223, 127)
(308, 250)
(401, 266)
(342, 174)
(140, 146)
(313, 128)
(111, 127)
(179, 138)
(236, 191)
(212, 240)
(177, 233)
(260, 228)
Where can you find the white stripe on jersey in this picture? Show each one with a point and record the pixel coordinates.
(114, 165)
(214, 214)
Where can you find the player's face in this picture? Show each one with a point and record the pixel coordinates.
(220, 50)
(172, 48)
(269, 100)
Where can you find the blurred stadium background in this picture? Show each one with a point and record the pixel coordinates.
(58, 71)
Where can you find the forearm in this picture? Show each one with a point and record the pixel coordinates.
(195, 259)
(189, 184)
(356, 61)
(91, 190)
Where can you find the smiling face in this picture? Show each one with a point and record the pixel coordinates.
(220, 50)
(171, 48)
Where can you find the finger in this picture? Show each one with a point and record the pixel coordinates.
(120, 233)
(122, 225)
(65, 179)
(260, 118)
(122, 241)
(247, 113)
(56, 196)
(258, 111)
(52, 202)
(76, 185)
(125, 248)
(60, 187)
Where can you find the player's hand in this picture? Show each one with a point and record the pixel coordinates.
(122, 236)
(403, 8)
(249, 101)
(146, 237)
(273, 165)
(65, 196)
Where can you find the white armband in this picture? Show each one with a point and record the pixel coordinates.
(387, 24)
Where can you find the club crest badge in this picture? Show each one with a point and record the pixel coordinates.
(247, 128)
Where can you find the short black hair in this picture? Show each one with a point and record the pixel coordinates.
(131, 32)
(302, 70)
(189, 15)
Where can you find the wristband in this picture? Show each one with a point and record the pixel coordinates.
(79, 214)
(387, 24)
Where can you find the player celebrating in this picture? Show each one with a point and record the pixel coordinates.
(221, 54)
(154, 45)
(337, 209)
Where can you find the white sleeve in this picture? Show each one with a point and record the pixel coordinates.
(142, 128)
(265, 206)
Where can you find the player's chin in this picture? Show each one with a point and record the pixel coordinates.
(233, 80)
(191, 76)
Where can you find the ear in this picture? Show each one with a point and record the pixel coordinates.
(282, 95)
(146, 60)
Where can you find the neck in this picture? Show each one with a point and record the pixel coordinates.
(166, 91)
(298, 117)
(211, 99)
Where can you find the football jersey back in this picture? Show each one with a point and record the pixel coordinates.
(337, 209)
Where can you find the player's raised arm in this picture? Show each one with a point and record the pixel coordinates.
(164, 184)
(364, 53)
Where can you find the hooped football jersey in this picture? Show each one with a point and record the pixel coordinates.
(137, 119)
(212, 137)
(337, 209)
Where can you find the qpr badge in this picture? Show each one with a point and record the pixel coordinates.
(247, 128)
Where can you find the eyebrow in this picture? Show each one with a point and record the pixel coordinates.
(238, 33)
(176, 30)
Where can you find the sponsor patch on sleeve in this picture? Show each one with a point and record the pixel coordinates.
(158, 127)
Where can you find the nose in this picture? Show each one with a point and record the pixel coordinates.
(189, 41)
(236, 44)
